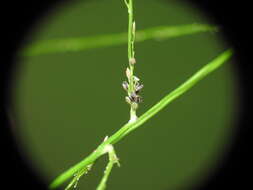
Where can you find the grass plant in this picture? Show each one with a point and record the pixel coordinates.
(132, 86)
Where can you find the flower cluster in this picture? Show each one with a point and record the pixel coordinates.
(133, 97)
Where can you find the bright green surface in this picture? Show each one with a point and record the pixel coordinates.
(67, 103)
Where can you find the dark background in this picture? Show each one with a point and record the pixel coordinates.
(234, 166)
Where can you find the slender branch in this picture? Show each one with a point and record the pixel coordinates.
(131, 59)
(130, 87)
(129, 127)
(77, 176)
(107, 172)
(126, 4)
(130, 29)
(85, 43)
(112, 160)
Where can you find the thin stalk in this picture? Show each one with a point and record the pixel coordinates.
(107, 172)
(131, 59)
(130, 30)
(112, 160)
(77, 176)
(129, 127)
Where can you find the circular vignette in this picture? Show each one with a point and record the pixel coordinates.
(231, 171)
(215, 182)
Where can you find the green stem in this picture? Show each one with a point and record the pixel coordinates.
(131, 36)
(112, 160)
(107, 171)
(130, 29)
(129, 127)
(77, 176)
(133, 115)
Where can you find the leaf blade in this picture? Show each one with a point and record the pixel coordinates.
(100, 41)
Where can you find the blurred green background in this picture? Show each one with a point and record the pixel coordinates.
(67, 103)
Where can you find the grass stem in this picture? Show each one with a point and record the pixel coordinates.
(129, 127)
(112, 160)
